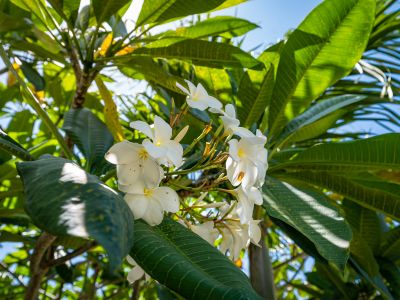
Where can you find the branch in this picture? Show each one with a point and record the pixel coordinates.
(71, 255)
(36, 269)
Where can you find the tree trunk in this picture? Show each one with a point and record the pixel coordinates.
(261, 272)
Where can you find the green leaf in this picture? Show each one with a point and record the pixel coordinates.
(63, 199)
(103, 9)
(310, 213)
(316, 112)
(323, 49)
(200, 52)
(91, 136)
(376, 195)
(225, 26)
(158, 11)
(12, 147)
(67, 9)
(390, 247)
(152, 71)
(255, 88)
(11, 23)
(187, 264)
(376, 153)
(33, 76)
(366, 222)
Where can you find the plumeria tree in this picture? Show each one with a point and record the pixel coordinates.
(138, 163)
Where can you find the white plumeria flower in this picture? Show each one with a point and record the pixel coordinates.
(161, 146)
(246, 200)
(231, 123)
(150, 202)
(137, 272)
(134, 164)
(247, 162)
(197, 97)
(206, 231)
(235, 237)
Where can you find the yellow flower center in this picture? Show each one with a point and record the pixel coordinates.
(143, 154)
(241, 153)
(148, 192)
(158, 143)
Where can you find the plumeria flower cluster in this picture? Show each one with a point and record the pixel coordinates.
(142, 168)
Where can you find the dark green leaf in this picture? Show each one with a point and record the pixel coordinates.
(376, 195)
(63, 199)
(376, 153)
(91, 136)
(310, 213)
(187, 264)
(200, 52)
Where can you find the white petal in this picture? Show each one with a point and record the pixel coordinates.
(244, 207)
(234, 150)
(138, 204)
(192, 87)
(135, 274)
(143, 127)
(182, 88)
(196, 104)
(123, 153)
(230, 110)
(255, 196)
(154, 215)
(168, 198)
(128, 174)
(212, 102)
(153, 150)
(175, 153)
(243, 132)
(162, 130)
(152, 173)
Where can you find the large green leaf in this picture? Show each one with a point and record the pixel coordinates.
(63, 199)
(255, 88)
(187, 264)
(158, 11)
(91, 136)
(323, 49)
(203, 53)
(225, 26)
(313, 114)
(310, 213)
(373, 194)
(376, 153)
(103, 9)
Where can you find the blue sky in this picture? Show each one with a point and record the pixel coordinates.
(275, 18)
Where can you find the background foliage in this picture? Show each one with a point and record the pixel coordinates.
(330, 181)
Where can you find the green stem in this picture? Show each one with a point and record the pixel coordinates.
(34, 103)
